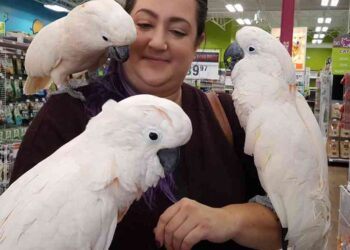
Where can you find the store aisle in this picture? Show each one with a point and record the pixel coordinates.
(337, 176)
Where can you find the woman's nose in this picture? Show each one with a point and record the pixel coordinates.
(158, 41)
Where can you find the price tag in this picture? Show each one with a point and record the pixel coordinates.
(205, 65)
(203, 70)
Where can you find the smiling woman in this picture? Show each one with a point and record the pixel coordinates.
(213, 184)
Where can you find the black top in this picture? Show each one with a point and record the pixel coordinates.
(211, 171)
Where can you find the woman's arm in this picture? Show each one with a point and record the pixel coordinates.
(61, 119)
(187, 222)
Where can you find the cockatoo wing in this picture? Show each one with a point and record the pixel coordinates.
(43, 55)
(282, 154)
(48, 197)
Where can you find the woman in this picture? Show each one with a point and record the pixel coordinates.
(213, 184)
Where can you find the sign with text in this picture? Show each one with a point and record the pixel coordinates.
(341, 55)
(205, 65)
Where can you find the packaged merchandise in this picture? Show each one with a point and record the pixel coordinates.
(8, 65)
(345, 149)
(17, 115)
(344, 133)
(335, 112)
(334, 129)
(10, 91)
(18, 87)
(25, 113)
(333, 148)
(9, 115)
(2, 114)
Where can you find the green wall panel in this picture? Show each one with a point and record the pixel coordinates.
(316, 58)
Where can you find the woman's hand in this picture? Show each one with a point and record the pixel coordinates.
(187, 222)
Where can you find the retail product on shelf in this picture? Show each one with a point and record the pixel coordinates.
(8, 154)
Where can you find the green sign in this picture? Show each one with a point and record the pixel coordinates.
(341, 55)
(2, 28)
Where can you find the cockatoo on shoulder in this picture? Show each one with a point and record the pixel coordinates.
(284, 137)
(74, 198)
(78, 42)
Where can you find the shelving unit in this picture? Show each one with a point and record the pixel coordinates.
(16, 109)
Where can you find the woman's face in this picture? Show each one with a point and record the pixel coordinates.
(165, 45)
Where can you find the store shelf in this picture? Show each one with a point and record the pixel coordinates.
(338, 160)
(14, 45)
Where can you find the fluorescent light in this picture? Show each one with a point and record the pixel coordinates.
(240, 21)
(334, 3)
(322, 36)
(324, 29)
(320, 20)
(238, 7)
(314, 41)
(324, 2)
(316, 36)
(247, 21)
(319, 41)
(318, 28)
(56, 8)
(230, 8)
(328, 20)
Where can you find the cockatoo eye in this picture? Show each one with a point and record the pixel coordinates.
(105, 38)
(251, 49)
(153, 136)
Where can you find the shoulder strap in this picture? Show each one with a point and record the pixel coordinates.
(220, 115)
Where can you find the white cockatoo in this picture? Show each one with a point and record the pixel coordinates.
(78, 42)
(74, 198)
(284, 137)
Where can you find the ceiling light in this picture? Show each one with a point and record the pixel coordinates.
(320, 19)
(324, 2)
(314, 41)
(239, 7)
(316, 36)
(324, 29)
(318, 28)
(322, 36)
(240, 21)
(247, 21)
(56, 8)
(328, 20)
(334, 3)
(230, 8)
(319, 41)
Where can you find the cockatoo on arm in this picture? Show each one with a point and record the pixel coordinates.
(75, 197)
(78, 42)
(284, 137)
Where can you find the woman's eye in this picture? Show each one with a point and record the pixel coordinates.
(144, 25)
(178, 33)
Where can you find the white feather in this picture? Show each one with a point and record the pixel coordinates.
(72, 199)
(284, 137)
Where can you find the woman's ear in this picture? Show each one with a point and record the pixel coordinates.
(200, 39)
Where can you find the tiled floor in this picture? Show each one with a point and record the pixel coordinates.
(337, 176)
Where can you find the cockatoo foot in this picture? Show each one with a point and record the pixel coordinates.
(75, 94)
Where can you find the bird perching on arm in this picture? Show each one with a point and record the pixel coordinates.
(80, 41)
(74, 198)
(283, 136)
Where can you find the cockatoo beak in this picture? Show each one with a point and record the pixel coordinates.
(169, 158)
(292, 87)
(120, 54)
